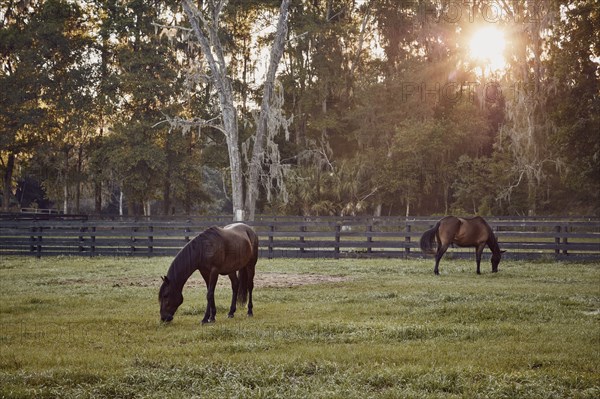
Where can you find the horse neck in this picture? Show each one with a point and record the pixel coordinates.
(182, 267)
(492, 243)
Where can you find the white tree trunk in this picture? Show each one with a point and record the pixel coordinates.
(206, 31)
(205, 28)
(120, 202)
(65, 197)
(378, 210)
(235, 164)
(259, 140)
(66, 184)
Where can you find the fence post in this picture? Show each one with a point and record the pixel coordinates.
(82, 230)
(369, 238)
(133, 239)
(150, 240)
(187, 230)
(407, 239)
(557, 240)
(338, 229)
(565, 240)
(39, 242)
(93, 242)
(271, 231)
(302, 240)
(32, 239)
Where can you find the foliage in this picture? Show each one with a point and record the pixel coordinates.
(383, 109)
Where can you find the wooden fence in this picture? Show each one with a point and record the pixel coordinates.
(294, 237)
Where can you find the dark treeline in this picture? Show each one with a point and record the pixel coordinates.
(380, 107)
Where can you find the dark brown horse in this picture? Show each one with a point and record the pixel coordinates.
(464, 232)
(231, 250)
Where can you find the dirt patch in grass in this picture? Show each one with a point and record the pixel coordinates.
(275, 280)
(261, 280)
(279, 280)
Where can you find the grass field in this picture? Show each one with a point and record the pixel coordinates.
(80, 327)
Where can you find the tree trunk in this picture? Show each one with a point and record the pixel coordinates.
(378, 210)
(261, 130)
(98, 196)
(235, 158)
(206, 31)
(7, 182)
(66, 183)
(356, 61)
(532, 199)
(212, 50)
(120, 201)
(78, 182)
(65, 197)
(166, 196)
(167, 178)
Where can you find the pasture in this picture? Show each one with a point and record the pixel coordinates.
(89, 327)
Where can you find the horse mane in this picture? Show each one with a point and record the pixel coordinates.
(194, 249)
(204, 242)
(209, 235)
(493, 240)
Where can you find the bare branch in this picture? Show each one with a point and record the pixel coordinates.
(217, 11)
(373, 192)
(187, 124)
(183, 28)
(297, 37)
(194, 15)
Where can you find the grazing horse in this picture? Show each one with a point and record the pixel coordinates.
(231, 250)
(464, 232)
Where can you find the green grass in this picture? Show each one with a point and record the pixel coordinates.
(79, 327)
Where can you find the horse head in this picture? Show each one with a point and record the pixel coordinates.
(169, 298)
(496, 260)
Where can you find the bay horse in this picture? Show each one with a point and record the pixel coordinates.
(231, 250)
(464, 232)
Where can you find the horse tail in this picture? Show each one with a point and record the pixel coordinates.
(428, 239)
(243, 278)
(246, 274)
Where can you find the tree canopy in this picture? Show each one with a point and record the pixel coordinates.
(329, 107)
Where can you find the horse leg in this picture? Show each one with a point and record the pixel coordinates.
(438, 256)
(478, 253)
(211, 307)
(214, 276)
(235, 283)
(250, 272)
(206, 277)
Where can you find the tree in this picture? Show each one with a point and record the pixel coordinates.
(390, 113)
(20, 80)
(50, 58)
(528, 128)
(205, 27)
(574, 106)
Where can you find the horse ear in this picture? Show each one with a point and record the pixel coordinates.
(165, 279)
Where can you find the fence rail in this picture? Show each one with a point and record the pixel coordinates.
(294, 237)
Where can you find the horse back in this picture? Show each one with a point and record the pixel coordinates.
(464, 232)
(241, 232)
(473, 231)
(240, 243)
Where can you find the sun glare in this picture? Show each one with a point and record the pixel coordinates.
(487, 46)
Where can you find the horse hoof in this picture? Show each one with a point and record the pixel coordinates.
(250, 314)
(230, 316)
(208, 321)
